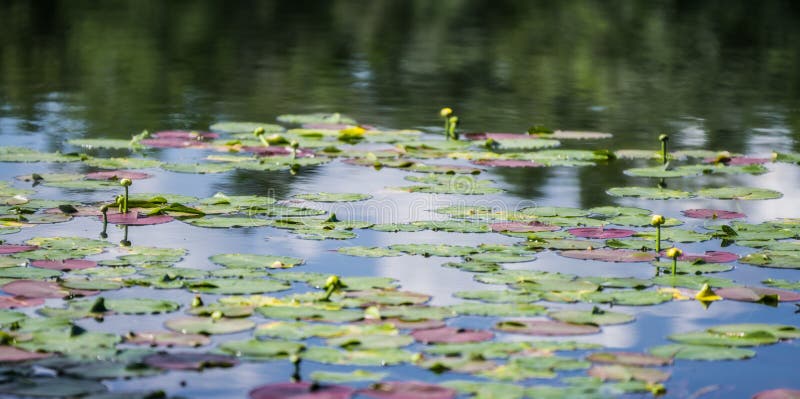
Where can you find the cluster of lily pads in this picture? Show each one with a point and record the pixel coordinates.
(364, 325)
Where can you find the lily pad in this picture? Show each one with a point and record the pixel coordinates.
(628, 373)
(434, 249)
(254, 261)
(189, 361)
(610, 255)
(199, 168)
(595, 316)
(758, 294)
(245, 127)
(228, 222)
(780, 393)
(302, 119)
(237, 286)
(701, 352)
(407, 390)
(300, 390)
(166, 338)
(600, 233)
(629, 359)
(134, 218)
(122, 163)
(371, 252)
(333, 197)
(64, 265)
(741, 193)
(208, 326)
(648, 193)
(498, 309)
(628, 297)
(712, 214)
(353, 376)
(370, 357)
(13, 249)
(450, 335)
(261, 350)
(53, 387)
(545, 328)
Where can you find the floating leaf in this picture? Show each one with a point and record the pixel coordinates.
(371, 357)
(741, 193)
(648, 193)
(188, 361)
(228, 222)
(780, 393)
(628, 373)
(712, 214)
(629, 359)
(237, 286)
(545, 328)
(610, 255)
(306, 390)
(758, 294)
(253, 261)
(166, 338)
(628, 297)
(408, 390)
(596, 316)
(245, 127)
(333, 197)
(498, 309)
(61, 387)
(450, 335)
(261, 350)
(701, 352)
(353, 376)
(600, 233)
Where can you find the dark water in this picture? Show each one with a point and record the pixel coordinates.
(713, 74)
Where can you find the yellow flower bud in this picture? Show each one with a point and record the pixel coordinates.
(657, 220)
(125, 182)
(674, 253)
(259, 131)
(663, 137)
(446, 112)
(332, 281)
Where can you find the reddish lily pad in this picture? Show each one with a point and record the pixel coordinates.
(13, 248)
(173, 143)
(189, 361)
(451, 335)
(134, 218)
(399, 323)
(117, 175)
(508, 163)
(601, 233)
(41, 289)
(301, 390)
(757, 294)
(8, 302)
(610, 255)
(545, 328)
(523, 227)
(708, 257)
(712, 214)
(408, 390)
(733, 161)
(68, 264)
(780, 393)
(629, 359)
(12, 354)
(167, 338)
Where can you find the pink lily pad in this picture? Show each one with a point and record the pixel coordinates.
(450, 335)
(545, 328)
(301, 390)
(407, 390)
(708, 257)
(522, 227)
(610, 255)
(117, 175)
(508, 163)
(12, 354)
(134, 218)
(408, 324)
(757, 294)
(629, 359)
(712, 214)
(780, 393)
(189, 361)
(739, 161)
(68, 264)
(599, 232)
(14, 302)
(13, 248)
(42, 289)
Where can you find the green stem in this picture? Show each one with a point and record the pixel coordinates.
(674, 265)
(447, 127)
(263, 140)
(664, 152)
(658, 238)
(125, 201)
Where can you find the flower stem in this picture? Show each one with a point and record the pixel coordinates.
(658, 238)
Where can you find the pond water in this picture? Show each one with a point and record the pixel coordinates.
(715, 76)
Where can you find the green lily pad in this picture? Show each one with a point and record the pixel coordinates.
(504, 296)
(783, 284)
(741, 193)
(487, 390)
(371, 357)
(261, 350)
(310, 313)
(333, 197)
(610, 255)
(208, 325)
(370, 252)
(122, 163)
(596, 316)
(166, 338)
(21, 154)
(82, 344)
(781, 331)
(220, 222)
(253, 261)
(648, 193)
(25, 272)
(97, 284)
(396, 227)
(628, 297)
(614, 211)
(245, 127)
(367, 342)
(316, 118)
(474, 266)
(199, 168)
(545, 328)
(693, 267)
(115, 144)
(341, 377)
(701, 352)
(87, 308)
(641, 220)
(753, 338)
(691, 281)
(237, 286)
(774, 259)
(498, 309)
(53, 387)
(627, 373)
(674, 235)
(434, 249)
(561, 244)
